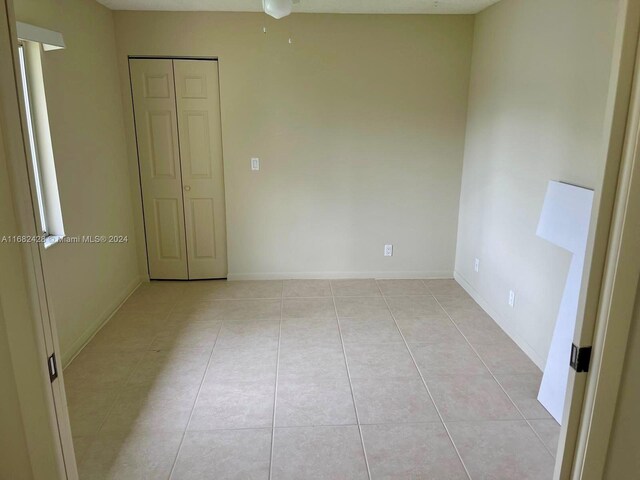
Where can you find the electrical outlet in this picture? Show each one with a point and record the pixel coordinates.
(255, 164)
(388, 250)
(512, 298)
(476, 265)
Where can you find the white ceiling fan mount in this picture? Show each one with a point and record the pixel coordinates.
(278, 8)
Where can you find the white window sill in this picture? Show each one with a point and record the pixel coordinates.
(51, 240)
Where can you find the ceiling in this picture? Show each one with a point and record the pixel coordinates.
(308, 6)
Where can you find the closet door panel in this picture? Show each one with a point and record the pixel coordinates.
(198, 107)
(152, 83)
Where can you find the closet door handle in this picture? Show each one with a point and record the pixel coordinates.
(187, 188)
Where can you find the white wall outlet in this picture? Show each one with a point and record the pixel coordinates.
(476, 265)
(255, 164)
(388, 250)
(512, 298)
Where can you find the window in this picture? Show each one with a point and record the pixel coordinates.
(32, 142)
(40, 147)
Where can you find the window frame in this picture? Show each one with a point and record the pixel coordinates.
(34, 153)
(39, 144)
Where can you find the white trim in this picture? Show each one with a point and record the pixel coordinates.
(103, 319)
(49, 39)
(51, 240)
(339, 275)
(502, 323)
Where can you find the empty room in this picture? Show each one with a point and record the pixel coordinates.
(319, 239)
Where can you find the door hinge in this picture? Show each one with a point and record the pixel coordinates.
(580, 358)
(53, 367)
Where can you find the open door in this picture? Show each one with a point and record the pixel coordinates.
(608, 283)
(34, 344)
(597, 394)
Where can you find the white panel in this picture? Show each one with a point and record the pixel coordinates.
(197, 154)
(566, 216)
(157, 86)
(195, 87)
(564, 221)
(162, 160)
(167, 222)
(203, 228)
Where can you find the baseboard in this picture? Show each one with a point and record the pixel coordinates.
(90, 332)
(337, 275)
(502, 323)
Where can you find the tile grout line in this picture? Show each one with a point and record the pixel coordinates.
(353, 397)
(422, 422)
(406, 344)
(275, 390)
(291, 427)
(195, 402)
(494, 377)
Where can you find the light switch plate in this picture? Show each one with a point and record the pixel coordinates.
(255, 164)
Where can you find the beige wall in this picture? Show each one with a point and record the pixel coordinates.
(359, 124)
(86, 282)
(623, 460)
(539, 80)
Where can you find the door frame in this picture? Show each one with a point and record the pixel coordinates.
(31, 327)
(589, 425)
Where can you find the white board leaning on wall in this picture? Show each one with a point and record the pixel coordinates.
(564, 221)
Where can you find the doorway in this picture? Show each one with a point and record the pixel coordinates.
(231, 295)
(179, 141)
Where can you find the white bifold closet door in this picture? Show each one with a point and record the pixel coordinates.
(177, 117)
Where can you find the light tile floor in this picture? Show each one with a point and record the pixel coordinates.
(304, 379)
